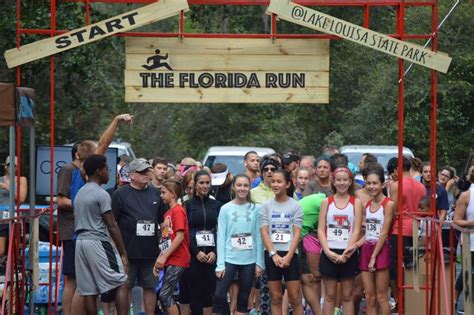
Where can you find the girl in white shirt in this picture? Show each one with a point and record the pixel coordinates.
(340, 220)
(375, 251)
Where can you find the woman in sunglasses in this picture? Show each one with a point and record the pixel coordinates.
(263, 191)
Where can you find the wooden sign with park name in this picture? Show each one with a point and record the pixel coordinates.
(316, 20)
(91, 33)
(219, 70)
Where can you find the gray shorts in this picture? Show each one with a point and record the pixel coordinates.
(99, 267)
(140, 272)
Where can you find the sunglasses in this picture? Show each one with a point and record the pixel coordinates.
(269, 169)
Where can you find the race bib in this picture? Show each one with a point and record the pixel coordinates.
(338, 234)
(145, 228)
(281, 236)
(165, 245)
(472, 241)
(241, 241)
(205, 238)
(373, 229)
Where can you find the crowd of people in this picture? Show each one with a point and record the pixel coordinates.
(290, 232)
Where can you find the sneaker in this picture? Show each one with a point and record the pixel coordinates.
(458, 310)
(392, 304)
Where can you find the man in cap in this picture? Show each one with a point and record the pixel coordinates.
(139, 210)
(221, 182)
(291, 160)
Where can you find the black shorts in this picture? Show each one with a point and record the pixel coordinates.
(274, 273)
(4, 230)
(407, 254)
(348, 270)
(69, 252)
(303, 260)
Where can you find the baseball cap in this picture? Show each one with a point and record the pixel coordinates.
(138, 165)
(219, 173)
(289, 157)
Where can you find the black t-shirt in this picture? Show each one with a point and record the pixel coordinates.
(139, 214)
(222, 193)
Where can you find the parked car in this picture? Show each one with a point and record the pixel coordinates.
(383, 153)
(232, 156)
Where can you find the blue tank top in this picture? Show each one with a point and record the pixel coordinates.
(76, 183)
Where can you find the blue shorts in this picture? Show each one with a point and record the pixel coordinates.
(69, 252)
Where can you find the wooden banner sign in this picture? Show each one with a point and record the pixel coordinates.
(316, 20)
(91, 33)
(205, 70)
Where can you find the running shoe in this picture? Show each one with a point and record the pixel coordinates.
(392, 304)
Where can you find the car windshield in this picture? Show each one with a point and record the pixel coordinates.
(382, 158)
(235, 164)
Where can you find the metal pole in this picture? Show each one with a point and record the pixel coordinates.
(400, 26)
(12, 170)
(32, 192)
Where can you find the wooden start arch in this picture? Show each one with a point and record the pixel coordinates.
(245, 67)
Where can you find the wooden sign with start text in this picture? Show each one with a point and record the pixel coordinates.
(94, 32)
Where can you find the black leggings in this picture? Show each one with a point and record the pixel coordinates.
(202, 284)
(246, 274)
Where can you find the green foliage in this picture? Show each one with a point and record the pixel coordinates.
(363, 87)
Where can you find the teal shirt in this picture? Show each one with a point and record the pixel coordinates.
(311, 205)
(233, 220)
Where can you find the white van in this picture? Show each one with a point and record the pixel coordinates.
(232, 156)
(383, 153)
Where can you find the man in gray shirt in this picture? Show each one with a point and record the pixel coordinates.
(102, 266)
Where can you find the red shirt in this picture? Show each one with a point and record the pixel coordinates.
(413, 192)
(175, 220)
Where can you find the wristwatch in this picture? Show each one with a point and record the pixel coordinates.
(271, 253)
